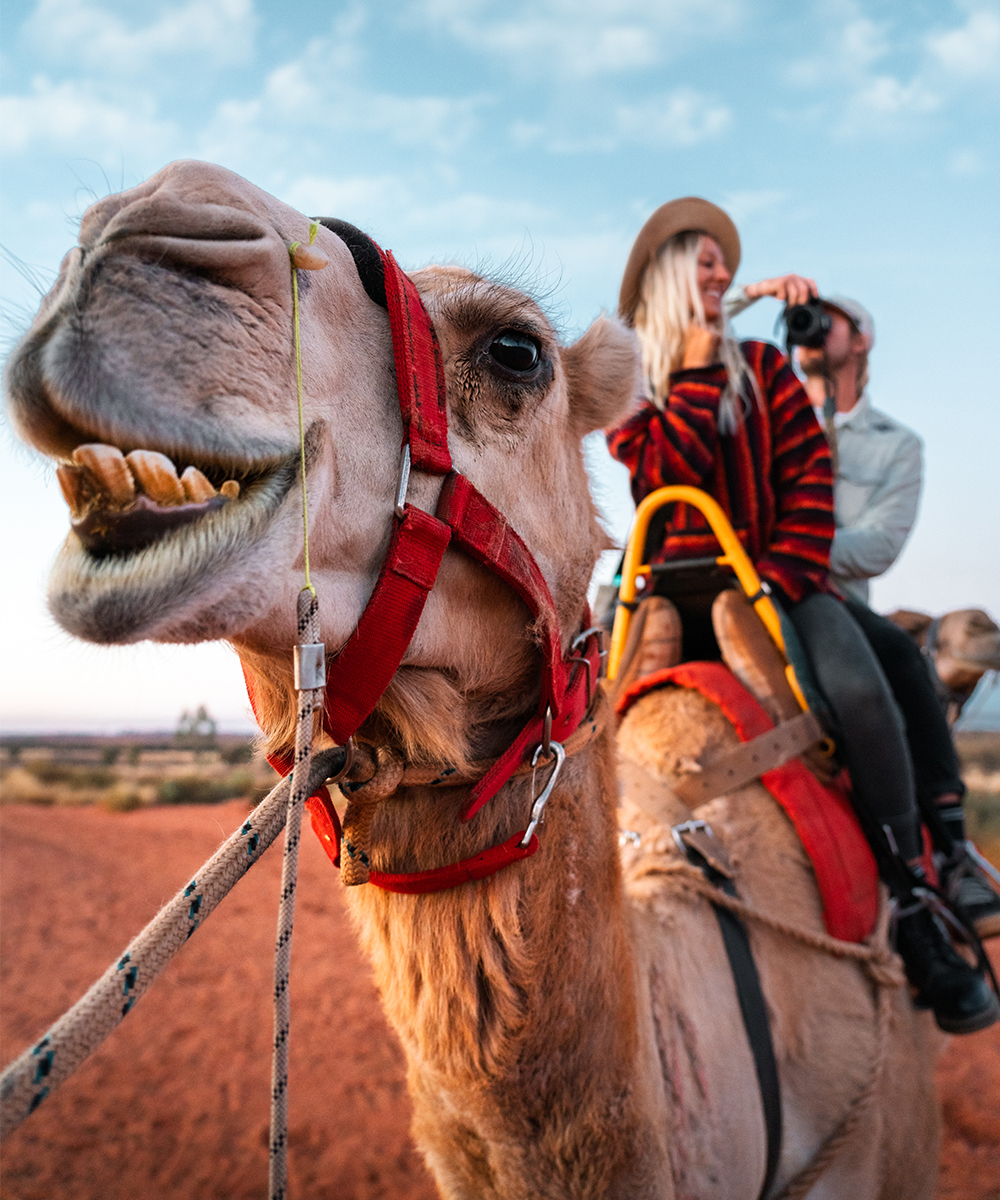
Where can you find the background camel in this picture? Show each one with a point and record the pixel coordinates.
(962, 646)
(568, 1033)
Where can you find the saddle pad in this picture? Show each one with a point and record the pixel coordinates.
(823, 818)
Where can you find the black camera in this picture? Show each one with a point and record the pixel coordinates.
(807, 324)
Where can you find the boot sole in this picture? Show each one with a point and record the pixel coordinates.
(981, 1020)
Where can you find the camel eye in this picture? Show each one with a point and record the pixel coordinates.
(516, 351)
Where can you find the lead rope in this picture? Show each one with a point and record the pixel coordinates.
(310, 681)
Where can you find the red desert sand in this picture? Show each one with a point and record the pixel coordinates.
(175, 1103)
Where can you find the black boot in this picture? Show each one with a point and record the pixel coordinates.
(958, 994)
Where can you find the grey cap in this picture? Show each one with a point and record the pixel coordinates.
(855, 312)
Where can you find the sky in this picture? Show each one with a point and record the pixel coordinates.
(854, 141)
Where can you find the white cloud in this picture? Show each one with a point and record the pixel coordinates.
(312, 105)
(684, 117)
(882, 98)
(417, 208)
(86, 34)
(579, 38)
(856, 96)
(72, 115)
(972, 50)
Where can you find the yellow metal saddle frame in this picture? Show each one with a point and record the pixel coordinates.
(733, 556)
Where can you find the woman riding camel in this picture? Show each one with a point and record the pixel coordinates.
(733, 419)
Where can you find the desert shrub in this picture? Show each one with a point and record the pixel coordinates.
(120, 800)
(109, 755)
(75, 778)
(237, 755)
(197, 789)
(19, 786)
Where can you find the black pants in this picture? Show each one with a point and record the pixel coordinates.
(932, 750)
(872, 738)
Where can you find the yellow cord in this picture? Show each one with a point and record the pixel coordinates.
(313, 229)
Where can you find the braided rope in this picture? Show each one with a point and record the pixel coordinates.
(880, 964)
(309, 700)
(67, 1043)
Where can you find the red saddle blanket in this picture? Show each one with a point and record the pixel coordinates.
(823, 818)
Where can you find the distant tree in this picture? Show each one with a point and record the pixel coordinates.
(196, 732)
(109, 755)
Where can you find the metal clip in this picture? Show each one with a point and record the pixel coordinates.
(697, 826)
(403, 482)
(538, 806)
(310, 666)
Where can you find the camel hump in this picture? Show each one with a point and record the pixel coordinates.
(845, 871)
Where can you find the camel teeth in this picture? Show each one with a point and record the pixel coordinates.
(157, 476)
(196, 487)
(107, 466)
(230, 489)
(73, 485)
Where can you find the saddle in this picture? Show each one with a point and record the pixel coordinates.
(780, 745)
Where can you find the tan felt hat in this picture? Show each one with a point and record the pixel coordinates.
(676, 216)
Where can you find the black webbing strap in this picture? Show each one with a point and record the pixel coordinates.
(754, 1012)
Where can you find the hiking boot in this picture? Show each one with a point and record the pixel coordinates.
(976, 901)
(957, 992)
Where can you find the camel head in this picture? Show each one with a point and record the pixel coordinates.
(964, 644)
(159, 375)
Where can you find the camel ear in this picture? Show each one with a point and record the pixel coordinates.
(602, 375)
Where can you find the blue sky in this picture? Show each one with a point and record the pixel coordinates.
(852, 140)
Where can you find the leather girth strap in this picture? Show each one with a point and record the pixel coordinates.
(749, 760)
(656, 800)
(464, 519)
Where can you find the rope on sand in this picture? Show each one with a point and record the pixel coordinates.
(44, 1066)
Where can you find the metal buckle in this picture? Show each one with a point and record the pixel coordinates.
(403, 481)
(696, 826)
(581, 639)
(538, 805)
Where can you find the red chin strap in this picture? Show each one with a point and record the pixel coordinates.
(464, 520)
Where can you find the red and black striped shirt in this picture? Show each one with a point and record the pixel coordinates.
(772, 477)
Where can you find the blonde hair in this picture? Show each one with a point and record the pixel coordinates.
(669, 301)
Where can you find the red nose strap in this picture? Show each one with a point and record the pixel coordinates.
(464, 520)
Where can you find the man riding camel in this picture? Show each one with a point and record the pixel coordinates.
(733, 419)
(876, 493)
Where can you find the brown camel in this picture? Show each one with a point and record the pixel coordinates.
(571, 1031)
(962, 646)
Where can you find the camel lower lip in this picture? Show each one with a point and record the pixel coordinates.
(107, 532)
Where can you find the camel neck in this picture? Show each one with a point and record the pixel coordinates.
(516, 995)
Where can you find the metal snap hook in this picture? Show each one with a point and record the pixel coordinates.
(538, 806)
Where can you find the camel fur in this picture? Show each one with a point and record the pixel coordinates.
(570, 1027)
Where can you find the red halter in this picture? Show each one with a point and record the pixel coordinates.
(465, 520)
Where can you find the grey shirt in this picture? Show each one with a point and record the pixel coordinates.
(880, 468)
